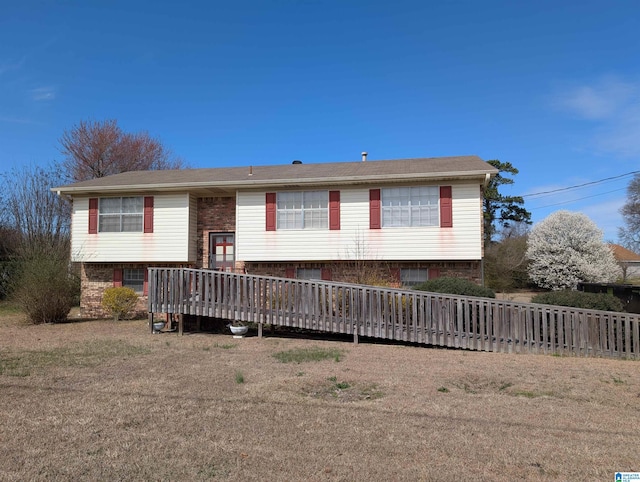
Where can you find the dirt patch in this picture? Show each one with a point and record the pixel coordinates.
(517, 296)
(104, 400)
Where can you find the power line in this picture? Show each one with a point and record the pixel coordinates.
(581, 185)
(579, 199)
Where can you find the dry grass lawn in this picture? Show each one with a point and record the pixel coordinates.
(100, 400)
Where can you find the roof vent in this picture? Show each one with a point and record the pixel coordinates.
(364, 156)
(296, 162)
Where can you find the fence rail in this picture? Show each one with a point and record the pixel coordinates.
(394, 314)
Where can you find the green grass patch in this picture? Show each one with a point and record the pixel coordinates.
(505, 385)
(530, 394)
(313, 354)
(443, 390)
(9, 308)
(87, 354)
(239, 377)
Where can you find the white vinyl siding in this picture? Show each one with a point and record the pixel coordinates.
(354, 239)
(173, 238)
(302, 210)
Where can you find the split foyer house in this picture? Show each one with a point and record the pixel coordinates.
(404, 220)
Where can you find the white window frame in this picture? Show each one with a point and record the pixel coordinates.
(122, 215)
(404, 207)
(302, 210)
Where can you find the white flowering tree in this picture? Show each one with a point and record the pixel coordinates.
(567, 248)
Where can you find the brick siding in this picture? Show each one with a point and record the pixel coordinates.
(215, 215)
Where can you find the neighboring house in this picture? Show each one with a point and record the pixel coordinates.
(628, 261)
(404, 221)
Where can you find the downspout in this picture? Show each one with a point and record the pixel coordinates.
(487, 178)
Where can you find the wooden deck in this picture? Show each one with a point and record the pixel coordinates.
(414, 316)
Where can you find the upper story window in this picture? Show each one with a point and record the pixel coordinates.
(121, 214)
(303, 210)
(410, 206)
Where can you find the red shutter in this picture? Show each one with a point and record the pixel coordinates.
(271, 211)
(117, 277)
(290, 273)
(325, 274)
(148, 214)
(145, 284)
(434, 273)
(93, 215)
(374, 209)
(446, 211)
(395, 275)
(334, 210)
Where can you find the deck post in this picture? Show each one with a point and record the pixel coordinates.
(355, 334)
(259, 330)
(150, 315)
(180, 324)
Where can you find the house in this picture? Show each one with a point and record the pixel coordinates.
(403, 221)
(628, 261)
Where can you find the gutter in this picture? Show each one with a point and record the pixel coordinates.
(182, 186)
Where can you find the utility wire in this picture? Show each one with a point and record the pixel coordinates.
(580, 185)
(578, 199)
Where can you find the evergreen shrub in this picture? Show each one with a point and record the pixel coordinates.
(455, 286)
(580, 299)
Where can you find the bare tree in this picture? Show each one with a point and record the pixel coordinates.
(38, 218)
(630, 234)
(95, 149)
(506, 262)
(38, 275)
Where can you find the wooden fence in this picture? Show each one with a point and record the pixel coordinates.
(414, 316)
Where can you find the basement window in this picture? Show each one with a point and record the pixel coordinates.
(134, 279)
(413, 276)
(309, 273)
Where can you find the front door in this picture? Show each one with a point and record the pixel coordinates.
(221, 251)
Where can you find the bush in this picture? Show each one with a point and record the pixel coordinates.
(455, 286)
(44, 288)
(119, 301)
(579, 299)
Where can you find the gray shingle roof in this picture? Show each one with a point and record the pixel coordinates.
(289, 175)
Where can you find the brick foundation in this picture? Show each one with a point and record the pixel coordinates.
(371, 272)
(96, 277)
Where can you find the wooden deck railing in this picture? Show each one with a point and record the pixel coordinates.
(394, 314)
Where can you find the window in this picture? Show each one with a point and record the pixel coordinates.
(410, 206)
(120, 214)
(303, 210)
(413, 276)
(308, 273)
(134, 279)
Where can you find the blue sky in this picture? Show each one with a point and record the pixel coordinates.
(551, 86)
